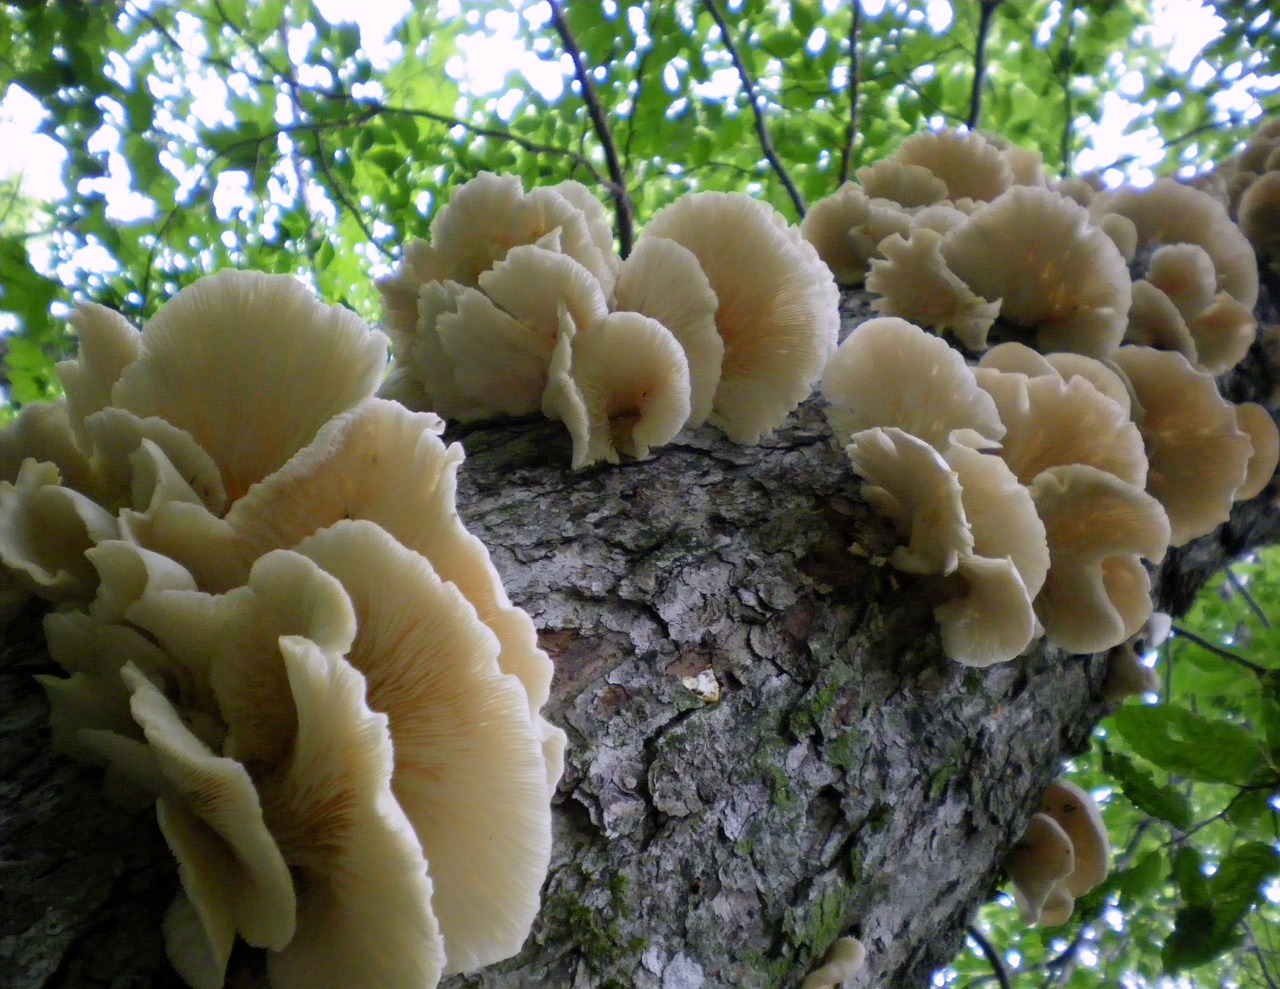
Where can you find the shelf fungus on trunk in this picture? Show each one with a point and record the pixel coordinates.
(328, 763)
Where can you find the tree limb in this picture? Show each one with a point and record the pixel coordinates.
(988, 951)
(1064, 69)
(1239, 587)
(618, 182)
(986, 8)
(749, 87)
(1217, 650)
(855, 67)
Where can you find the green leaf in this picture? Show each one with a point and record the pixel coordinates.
(1188, 744)
(1163, 802)
(1194, 941)
(1207, 928)
(1142, 877)
(782, 44)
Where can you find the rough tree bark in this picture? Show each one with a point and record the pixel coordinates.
(850, 778)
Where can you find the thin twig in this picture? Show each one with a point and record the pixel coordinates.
(1256, 950)
(992, 956)
(641, 63)
(986, 8)
(1064, 144)
(855, 67)
(618, 182)
(1238, 586)
(1249, 665)
(749, 87)
(373, 108)
(1061, 967)
(345, 200)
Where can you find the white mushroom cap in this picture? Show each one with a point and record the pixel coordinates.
(378, 462)
(778, 305)
(531, 283)
(1122, 233)
(664, 281)
(891, 373)
(1097, 593)
(903, 183)
(45, 529)
(1021, 359)
(493, 364)
(234, 638)
(621, 387)
(230, 865)
(1050, 422)
(284, 363)
(844, 960)
(469, 769)
(1198, 455)
(1001, 515)
(993, 621)
(1052, 268)
(914, 282)
(43, 431)
(909, 482)
(1077, 813)
(1259, 211)
(1057, 908)
(1040, 859)
(1169, 212)
(490, 214)
(420, 265)
(1154, 321)
(108, 344)
(1185, 273)
(364, 896)
(1224, 331)
(846, 227)
(969, 164)
(1255, 420)
(118, 435)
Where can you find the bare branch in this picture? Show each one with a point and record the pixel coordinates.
(1064, 68)
(992, 956)
(347, 204)
(1238, 586)
(1205, 644)
(986, 8)
(579, 160)
(641, 63)
(855, 68)
(749, 87)
(618, 183)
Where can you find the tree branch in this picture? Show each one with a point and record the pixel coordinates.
(851, 130)
(1205, 644)
(988, 951)
(1064, 68)
(749, 87)
(986, 8)
(579, 160)
(1238, 586)
(618, 189)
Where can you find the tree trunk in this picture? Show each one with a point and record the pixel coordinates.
(849, 779)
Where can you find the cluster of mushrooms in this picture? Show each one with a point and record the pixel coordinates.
(1031, 482)
(1062, 855)
(519, 305)
(217, 504)
(1248, 185)
(355, 780)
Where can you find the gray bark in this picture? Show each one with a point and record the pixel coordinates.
(850, 779)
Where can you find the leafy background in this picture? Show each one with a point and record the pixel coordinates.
(272, 135)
